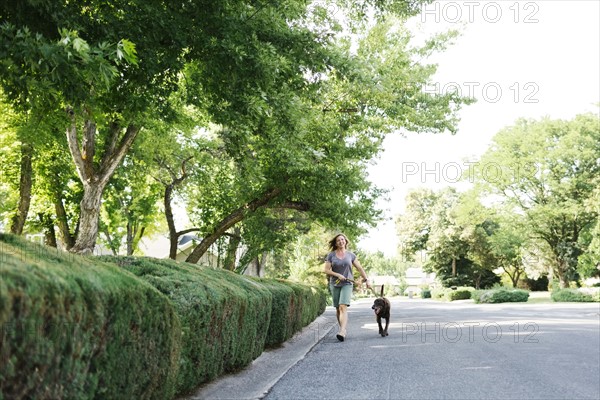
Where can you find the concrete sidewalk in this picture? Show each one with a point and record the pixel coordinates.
(254, 381)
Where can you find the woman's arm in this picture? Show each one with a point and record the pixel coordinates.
(360, 269)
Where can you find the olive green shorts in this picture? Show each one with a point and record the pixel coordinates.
(341, 295)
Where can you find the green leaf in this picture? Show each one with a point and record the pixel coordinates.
(81, 46)
(126, 50)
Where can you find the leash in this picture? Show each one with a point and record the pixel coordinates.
(337, 281)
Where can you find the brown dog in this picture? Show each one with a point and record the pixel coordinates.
(381, 306)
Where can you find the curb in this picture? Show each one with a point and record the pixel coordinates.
(255, 381)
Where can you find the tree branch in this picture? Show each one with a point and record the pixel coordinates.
(74, 148)
(229, 221)
(88, 146)
(110, 161)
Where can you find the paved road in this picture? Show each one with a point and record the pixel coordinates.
(435, 350)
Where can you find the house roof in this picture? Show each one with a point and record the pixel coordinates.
(187, 238)
(384, 280)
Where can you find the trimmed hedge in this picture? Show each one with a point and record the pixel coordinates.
(448, 294)
(224, 316)
(72, 327)
(501, 295)
(294, 307)
(279, 328)
(575, 295)
(459, 294)
(122, 327)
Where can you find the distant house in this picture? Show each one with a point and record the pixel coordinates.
(40, 238)
(389, 281)
(158, 247)
(416, 279)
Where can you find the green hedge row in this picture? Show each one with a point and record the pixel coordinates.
(500, 295)
(576, 295)
(448, 294)
(71, 329)
(81, 328)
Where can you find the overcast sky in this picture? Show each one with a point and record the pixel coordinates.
(519, 59)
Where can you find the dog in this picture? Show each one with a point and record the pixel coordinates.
(381, 306)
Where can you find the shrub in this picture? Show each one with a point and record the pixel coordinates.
(449, 294)
(574, 295)
(73, 327)
(224, 316)
(280, 328)
(308, 303)
(85, 328)
(294, 306)
(501, 295)
(459, 294)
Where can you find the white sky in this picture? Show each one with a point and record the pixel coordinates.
(519, 59)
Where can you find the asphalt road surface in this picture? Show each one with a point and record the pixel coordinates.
(435, 350)
(457, 350)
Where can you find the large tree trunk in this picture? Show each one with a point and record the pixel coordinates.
(453, 266)
(129, 238)
(49, 232)
(229, 221)
(257, 266)
(63, 222)
(134, 234)
(234, 242)
(168, 198)
(88, 220)
(95, 176)
(173, 234)
(516, 276)
(18, 220)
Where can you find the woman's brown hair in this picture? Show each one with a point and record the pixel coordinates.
(332, 244)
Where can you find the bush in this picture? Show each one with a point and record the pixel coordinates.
(224, 316)
(459, 294)
(574, 295)
(438, 294)
(294, 306)
(449, 294)
(501, 295)
(279, 327)
(84, 328)
(72, 327)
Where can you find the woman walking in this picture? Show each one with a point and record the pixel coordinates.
(338, 266)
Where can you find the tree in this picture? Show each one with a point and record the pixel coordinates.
(414, 226)
(304, 156)
(41, 72)
(377, 263)
(130, 205)
(453, 232)
(261, 71)
(497, 237)
(77, 61)
(589, 262)
(547, 169)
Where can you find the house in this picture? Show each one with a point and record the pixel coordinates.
(391, 283)
(416, 279)
(158, 247)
